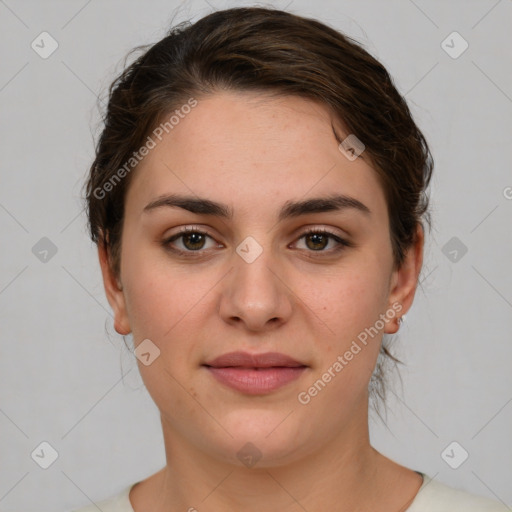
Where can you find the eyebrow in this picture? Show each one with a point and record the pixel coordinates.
(290, 209)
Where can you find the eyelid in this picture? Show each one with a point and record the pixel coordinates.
(340, 239)
(183, 230)
(322, 229)
(189, 229)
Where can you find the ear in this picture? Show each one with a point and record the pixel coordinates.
(114, 292)
(404, 280)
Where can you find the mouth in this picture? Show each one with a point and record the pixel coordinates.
(255, 374)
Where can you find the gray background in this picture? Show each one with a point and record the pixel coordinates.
(61, 373)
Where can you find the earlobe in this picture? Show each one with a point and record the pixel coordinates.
(405, 281)
(394, 325)
(114, 292)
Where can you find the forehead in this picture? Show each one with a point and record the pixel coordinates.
(249, 149)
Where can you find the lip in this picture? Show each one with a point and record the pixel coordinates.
(255, 374)
(247, 360)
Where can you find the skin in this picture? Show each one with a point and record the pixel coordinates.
(253, 153)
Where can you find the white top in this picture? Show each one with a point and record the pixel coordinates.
(432, 496)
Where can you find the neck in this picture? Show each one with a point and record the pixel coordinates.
(339, 475)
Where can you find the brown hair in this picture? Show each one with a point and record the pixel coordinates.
(262, 50)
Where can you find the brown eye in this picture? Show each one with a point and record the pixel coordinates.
(317, 240)
(188, 240)
(193, 241)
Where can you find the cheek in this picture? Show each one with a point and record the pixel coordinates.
(163, 307)
(153, 295)
(354, 299)
(165, 303)
(352, 302)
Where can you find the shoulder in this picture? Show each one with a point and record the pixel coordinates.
(434, 496)
(118, 503)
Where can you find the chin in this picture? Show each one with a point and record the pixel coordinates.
(260, 438)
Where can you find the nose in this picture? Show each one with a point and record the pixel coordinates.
(255, 293)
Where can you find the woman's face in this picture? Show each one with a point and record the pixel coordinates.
(255, 281)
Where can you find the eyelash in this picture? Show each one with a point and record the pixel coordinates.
(342, 244)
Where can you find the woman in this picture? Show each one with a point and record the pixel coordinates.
(258, 198)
